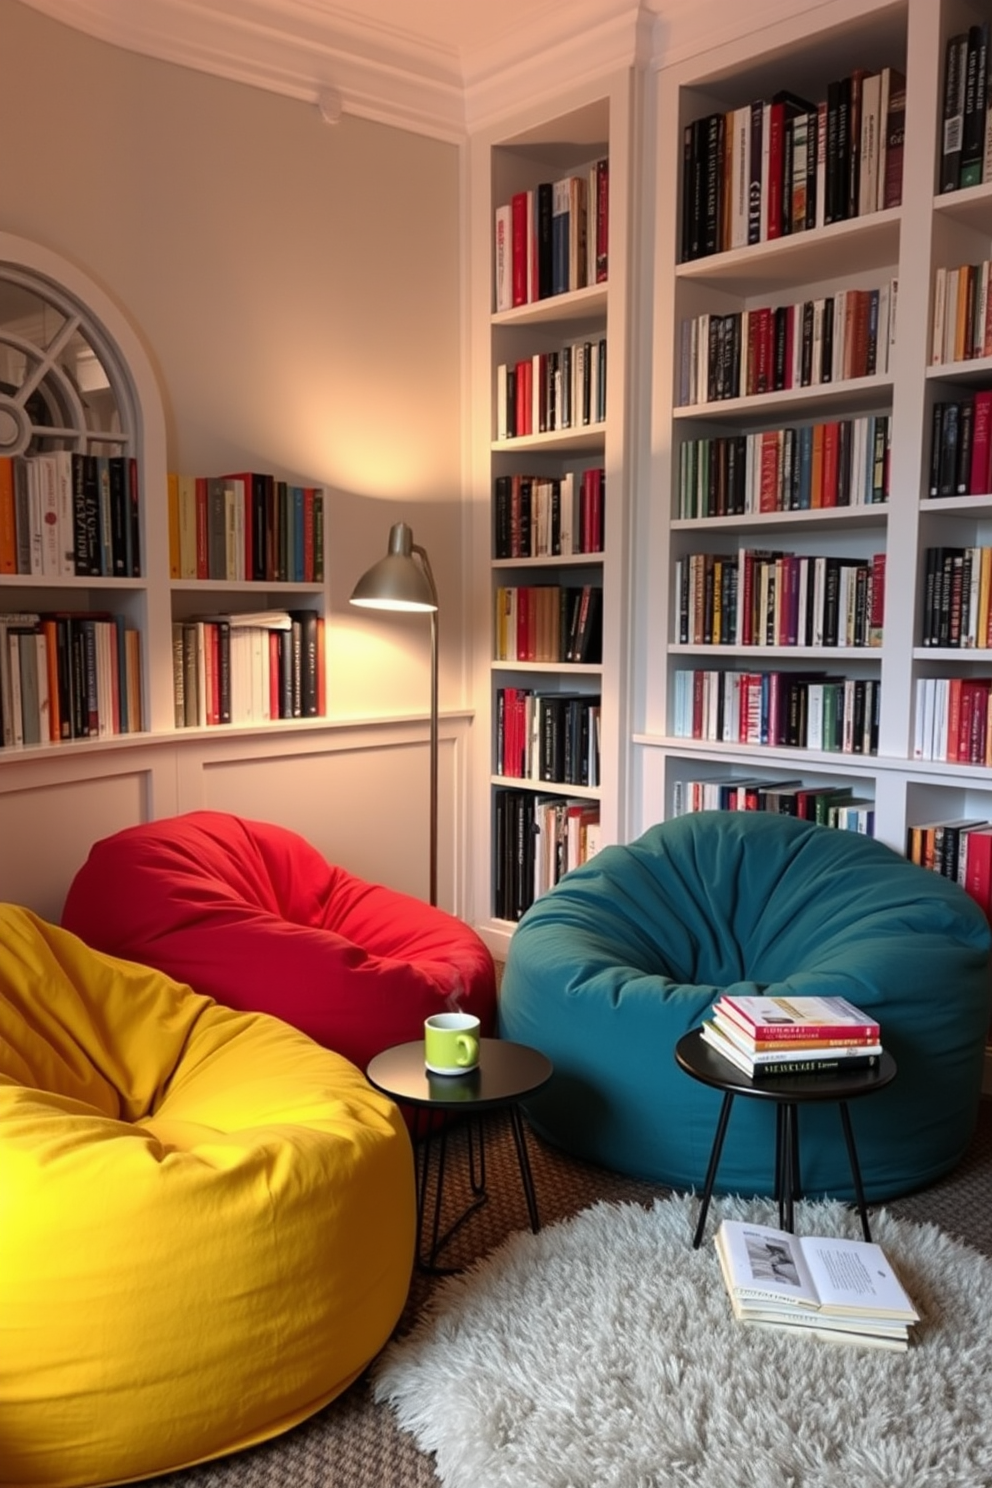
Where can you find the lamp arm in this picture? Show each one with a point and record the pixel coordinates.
(422, 555)
(426, 562)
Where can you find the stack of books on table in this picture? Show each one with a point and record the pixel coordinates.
(841, 1291)
(768, 1036)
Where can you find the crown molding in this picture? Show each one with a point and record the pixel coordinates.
(342, 62)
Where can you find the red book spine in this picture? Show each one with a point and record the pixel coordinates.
(980, 474)
(518, 208)
(776, 157)
(202, 561)
(978, 867)
(784, 1033)
(831, 440)
(308, 492)
(602, 220)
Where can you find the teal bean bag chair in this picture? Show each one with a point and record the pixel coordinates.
(608, 970)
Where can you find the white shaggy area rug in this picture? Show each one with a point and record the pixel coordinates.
(602, 1353)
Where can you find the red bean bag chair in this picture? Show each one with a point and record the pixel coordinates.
(253, 915)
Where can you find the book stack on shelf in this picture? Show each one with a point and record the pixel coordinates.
(538, 839)
(548, 736)
(833, 1289)
(549, 623)
(68, 676)
(766, 597)
(953, 720)
(69, 515)
(553, 238)
(827, 805)
(961, 445)
(247, 528)
(966, 152)
(552, 390)
(248, 668)
(773, 710)
(838, 462)
(768, 1037)
(785, 165)
(959, 848)
(549, 516)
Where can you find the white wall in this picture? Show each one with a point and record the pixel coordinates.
(297, 289)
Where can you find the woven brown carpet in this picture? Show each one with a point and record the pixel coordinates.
(354, 1443)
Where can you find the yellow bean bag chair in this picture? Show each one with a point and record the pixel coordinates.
(206, 1219)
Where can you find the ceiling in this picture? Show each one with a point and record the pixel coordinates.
(438, 67)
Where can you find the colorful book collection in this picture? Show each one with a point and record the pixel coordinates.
(786, 165)
(552, 390)
(536, 516)
(827, 805)
(793, 710)
(68, 515)
(841, 462)
(961, 446)
(536, 840)
(553, 238)
(961, 327)
(953, 720)
(959, 848)
(966, 150)
(248, 668)
(68, 676)
(547, 736)
(245, 527)
(760, 597)
(957, 598)
(772, 348)
(768, 1036)
(549, 623)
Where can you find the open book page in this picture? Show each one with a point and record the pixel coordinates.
(781, 1271)
(854, 1277)
(764, 1263)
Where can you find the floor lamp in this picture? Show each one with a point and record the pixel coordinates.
(403, 581)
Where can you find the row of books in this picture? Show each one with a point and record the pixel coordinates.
(959, 848)
(957, 598)
(566, 835)
(805, 710)
(552, 390)
(246, 527)
(553, 239)
(759, 597)
(536, 516)
(548, 736)
(952, 720)
(966, 152)
(805, 343)
(961, 325)
(827, 805)
(248, 668)
(767, 1036)
(839, 462)
(786, 165)
(536, 840)
(68, 515)
(549, 622)
(67, 676)
(961, 446)
(822, 1287)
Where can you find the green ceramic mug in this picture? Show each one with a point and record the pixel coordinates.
(451, 1043)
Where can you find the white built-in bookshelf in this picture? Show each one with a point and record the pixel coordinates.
(899, 250)
(551, 481)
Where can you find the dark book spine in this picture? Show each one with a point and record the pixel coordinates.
(955, 67)
(828, 1066)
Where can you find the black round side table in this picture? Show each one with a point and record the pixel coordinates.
(695, 1056)
(505, 1075)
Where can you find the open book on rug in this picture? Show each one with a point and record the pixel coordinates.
(844, 1291)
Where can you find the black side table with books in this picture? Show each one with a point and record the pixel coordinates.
(696, 1057)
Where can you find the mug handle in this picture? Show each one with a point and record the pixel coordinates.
(468, 1050)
